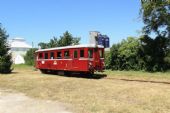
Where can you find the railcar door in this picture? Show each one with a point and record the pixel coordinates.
(96, 56)
(97, 62)
(67, 60)
(75, 63)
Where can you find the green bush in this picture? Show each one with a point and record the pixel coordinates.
(30, 57)
(142, 53)
(124, 55)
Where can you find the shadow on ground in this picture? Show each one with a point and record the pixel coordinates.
(78, 75)
(10, 73)
(144, 81)
(94, 76)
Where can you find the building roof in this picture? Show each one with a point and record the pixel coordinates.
(69, 47)
(19, 43)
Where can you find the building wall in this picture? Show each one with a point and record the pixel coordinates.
(18, 55)
(19, 47)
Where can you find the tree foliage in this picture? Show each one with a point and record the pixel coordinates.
(142, 53)
(30, 56)
(5, 56)
(167, 58)
(156, 16)
(53, 43)
(124, 55)
(153, 52)
(65, 40)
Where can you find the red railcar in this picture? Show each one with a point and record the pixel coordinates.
(78, 58)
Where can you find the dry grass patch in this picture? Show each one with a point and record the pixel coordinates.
(95, 95)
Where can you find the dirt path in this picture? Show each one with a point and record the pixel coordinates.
(11, 102)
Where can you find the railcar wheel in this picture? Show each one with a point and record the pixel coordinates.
(44, 71)
(54, 72)
(90, 74)
(67, 73)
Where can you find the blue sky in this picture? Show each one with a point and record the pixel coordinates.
(40, 20)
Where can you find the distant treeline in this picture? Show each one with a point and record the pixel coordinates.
(65, 40)
(142, 53)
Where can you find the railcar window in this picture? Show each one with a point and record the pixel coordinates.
(81, 53)
(75, 54)
(52, 55)
(66, 54)
(46, 55)
(101, 53)
(40, 56)
(90, 53)
(59, 55)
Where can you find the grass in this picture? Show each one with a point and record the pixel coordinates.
(135, 75)
(119, 92)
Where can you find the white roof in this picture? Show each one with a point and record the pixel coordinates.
(19, 43)
(68, 47)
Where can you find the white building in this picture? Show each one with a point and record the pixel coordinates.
(19, 47)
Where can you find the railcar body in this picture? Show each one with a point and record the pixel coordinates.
(79, 58)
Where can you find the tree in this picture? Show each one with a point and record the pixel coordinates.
(153, 53)
(113, 59)
(53, 43)
(76, 41)
(124, 55)
(30, 56)
(128, 52)
(167, 59)
(65, 40)
(43, 45)
(107, 57)
(68, 39)
(5, 56)
(156, 17)
(142, 53)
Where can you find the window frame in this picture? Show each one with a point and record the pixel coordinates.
(46, 55)
(58, 54)
(90, 55)
(40, 55)
(66, 57)
(74, 54)
(81, 54)
(51, 55)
